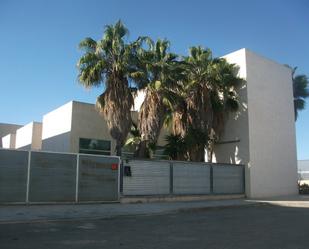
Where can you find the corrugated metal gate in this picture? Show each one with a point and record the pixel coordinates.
(147, 178)
(142, 177)
(191, 178)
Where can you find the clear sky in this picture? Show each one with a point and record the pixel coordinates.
(39, 40)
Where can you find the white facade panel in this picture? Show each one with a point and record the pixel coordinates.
(6, 129)
(8, 141)
(57, 127)
(263, 130)
(29, 136)
(273, 160)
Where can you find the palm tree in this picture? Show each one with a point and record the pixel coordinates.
(224, 99)
(194, 113)
(109, 62)
(208, 93)
(176, 147)
(300, 91)
(158, 73)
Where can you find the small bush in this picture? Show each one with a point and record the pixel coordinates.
(303, 189)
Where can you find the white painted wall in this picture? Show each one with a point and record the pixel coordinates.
(265, 127)
(8, 141)
(272, 143)
(29, 136)
(234, 146)
(57, 126)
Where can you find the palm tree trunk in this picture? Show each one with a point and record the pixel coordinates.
(150, 121)
(142, 151)
(118, 149)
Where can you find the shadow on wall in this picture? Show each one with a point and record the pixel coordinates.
(58, 143)
(27, 147)
(233, 146)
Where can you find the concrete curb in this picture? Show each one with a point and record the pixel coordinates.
(121, 210)
(183, 210)
(179, 198)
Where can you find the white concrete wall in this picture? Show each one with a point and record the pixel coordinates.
(234, 142)
(29, 136)
(57, 126)
(88, 123)
(273, 161)
(8, 141)
(265, 127)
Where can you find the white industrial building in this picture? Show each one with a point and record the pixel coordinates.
(261, 135)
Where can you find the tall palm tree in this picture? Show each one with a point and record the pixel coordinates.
(208, 93)
(193, 114)
(109, 62)
(159, 71)
(300, 91)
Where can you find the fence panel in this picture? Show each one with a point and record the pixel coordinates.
(52, 177)
(228, 179)
(146, 178)
(191, 178)
(98, 178)
(13, 176)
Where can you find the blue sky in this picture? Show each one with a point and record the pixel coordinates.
(39, 40)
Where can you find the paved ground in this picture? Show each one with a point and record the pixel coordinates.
(266, 226)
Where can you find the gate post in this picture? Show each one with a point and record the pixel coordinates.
(211, 179)
(171, 178)
(28, 177)
(121, 175)
(77, 178)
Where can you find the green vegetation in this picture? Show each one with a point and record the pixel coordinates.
(191, 95)
(300, 91)
(303, 189)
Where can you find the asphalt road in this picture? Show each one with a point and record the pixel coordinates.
(226, 228)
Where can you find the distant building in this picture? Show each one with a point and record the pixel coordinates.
(81, 129)
(303, 171)
(6, 129)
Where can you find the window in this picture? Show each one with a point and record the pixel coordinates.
(94, 146)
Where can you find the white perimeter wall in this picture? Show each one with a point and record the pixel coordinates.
(272, 142)
(57, 126)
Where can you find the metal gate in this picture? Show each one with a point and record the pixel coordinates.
(43, 177)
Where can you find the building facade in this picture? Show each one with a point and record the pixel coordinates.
(261, 135)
